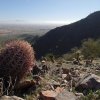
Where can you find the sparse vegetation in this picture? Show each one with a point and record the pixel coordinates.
(92, 95)
(91, 48)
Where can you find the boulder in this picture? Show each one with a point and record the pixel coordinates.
(48, 95)
(58, 94)
(88, 82)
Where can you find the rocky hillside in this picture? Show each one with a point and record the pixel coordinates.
(61, 39)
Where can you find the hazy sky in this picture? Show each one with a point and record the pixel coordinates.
(45, 11)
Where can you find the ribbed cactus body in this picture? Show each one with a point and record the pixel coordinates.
(16, 59)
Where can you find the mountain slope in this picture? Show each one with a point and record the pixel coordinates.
(61, 39)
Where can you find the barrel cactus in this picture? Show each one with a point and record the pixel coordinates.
(16, 59)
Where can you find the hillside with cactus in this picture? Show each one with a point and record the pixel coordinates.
(49, 78)
(69, 68)
(62, 39)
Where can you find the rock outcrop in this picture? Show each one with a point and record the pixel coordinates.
(88, 82)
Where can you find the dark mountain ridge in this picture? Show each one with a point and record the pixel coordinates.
(61, 39)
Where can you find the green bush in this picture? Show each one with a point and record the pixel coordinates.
(91, 48)
(92, 96)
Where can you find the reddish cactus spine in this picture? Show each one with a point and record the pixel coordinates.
(16, 59)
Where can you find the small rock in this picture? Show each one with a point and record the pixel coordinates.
(48, 95)
(54, 84)
(10, 98)
(59, 89)
(79, 94)
(66, 95)
(64, 76)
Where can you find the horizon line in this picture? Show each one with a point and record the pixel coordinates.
(36, 22)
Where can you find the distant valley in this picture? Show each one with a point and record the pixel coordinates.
(29, 32)
(34, 29)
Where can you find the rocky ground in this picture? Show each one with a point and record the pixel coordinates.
(61, 80)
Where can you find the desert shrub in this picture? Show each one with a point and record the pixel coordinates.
(74, 53)
(69, 56)
(50, 56)
(91, 48)
(92, 96)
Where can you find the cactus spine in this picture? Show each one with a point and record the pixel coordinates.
(16, 59)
